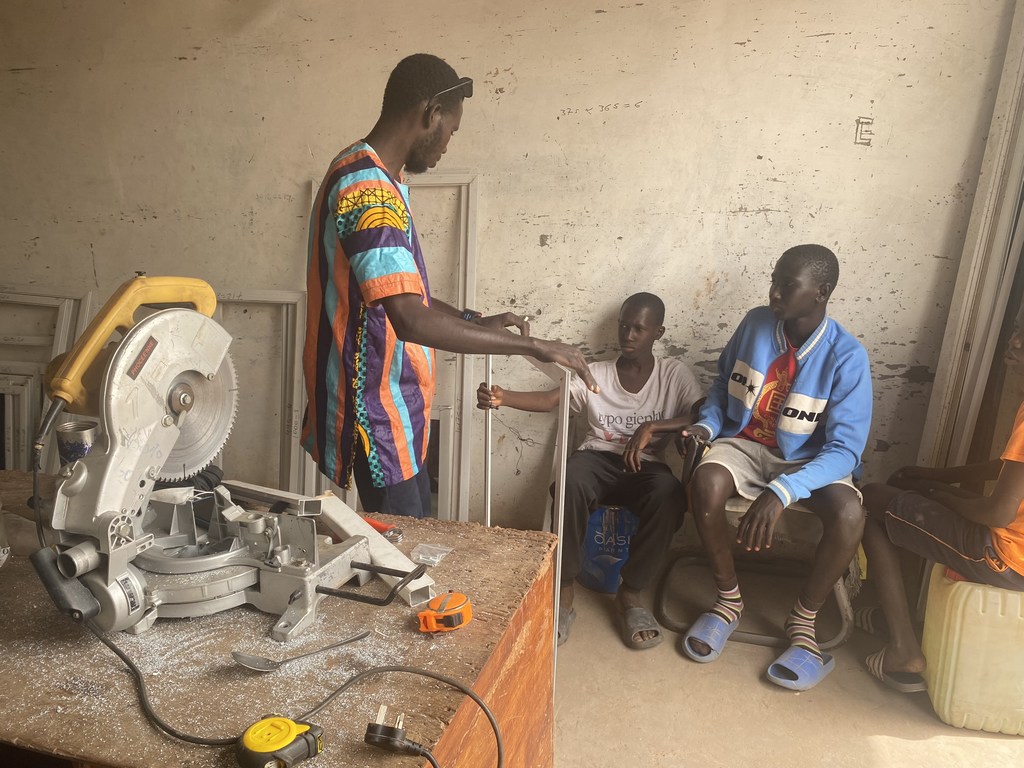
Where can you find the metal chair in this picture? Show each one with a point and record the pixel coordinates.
(796, 534)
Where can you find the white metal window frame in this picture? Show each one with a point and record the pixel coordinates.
(22, 408)
(73, 314)
(991, 255)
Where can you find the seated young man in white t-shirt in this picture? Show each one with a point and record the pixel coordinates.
(630, 422)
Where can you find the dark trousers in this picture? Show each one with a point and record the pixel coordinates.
(410, 497)
(653, 494)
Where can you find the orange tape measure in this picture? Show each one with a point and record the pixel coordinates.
(446, 612)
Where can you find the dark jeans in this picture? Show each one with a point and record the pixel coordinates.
(935, 532)
(653, 494)
(410, 498)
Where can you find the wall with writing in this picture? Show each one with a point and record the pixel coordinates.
(674, 147)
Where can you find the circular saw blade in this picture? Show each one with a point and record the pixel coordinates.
(204, 428)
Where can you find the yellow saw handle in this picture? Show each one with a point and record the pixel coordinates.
(118, 314)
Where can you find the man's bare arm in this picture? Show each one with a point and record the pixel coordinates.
(413, 322)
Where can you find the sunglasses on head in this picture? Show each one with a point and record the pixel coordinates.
(465, 83)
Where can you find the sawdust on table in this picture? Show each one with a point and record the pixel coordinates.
(69, 694)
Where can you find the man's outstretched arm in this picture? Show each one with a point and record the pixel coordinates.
(416, 323)
(500, 320)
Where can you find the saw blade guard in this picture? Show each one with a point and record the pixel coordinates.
(167, 406)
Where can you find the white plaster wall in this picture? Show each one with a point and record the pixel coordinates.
(676, 147)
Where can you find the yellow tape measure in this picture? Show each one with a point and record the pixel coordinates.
(278, 742)
(446, 612)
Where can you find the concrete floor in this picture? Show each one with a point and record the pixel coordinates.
(619, 707)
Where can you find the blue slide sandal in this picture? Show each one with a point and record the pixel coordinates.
(800, 670)
(710, 628)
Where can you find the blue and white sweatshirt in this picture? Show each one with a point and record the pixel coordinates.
(826, 417)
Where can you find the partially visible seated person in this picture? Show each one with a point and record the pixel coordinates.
(620, 460)
(981, 537)
(789, 414)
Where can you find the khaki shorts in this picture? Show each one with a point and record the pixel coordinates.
(753, 465)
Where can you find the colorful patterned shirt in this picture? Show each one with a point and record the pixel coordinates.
(362, 381)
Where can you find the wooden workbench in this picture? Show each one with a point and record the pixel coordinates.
(66, 694)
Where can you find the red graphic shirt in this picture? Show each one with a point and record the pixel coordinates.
(765, 414)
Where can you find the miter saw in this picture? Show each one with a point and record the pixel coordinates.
(163, 391)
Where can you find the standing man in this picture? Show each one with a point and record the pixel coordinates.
(371, 324)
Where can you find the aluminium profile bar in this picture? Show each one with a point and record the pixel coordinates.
(488, 362)
(561, 456)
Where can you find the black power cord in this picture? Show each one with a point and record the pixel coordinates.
(387, 736)
(390, 738)
(147, 706)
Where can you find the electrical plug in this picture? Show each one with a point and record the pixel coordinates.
(391, 737)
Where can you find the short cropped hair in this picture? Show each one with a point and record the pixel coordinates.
(647, 301)
(415, 79)
(819, 260)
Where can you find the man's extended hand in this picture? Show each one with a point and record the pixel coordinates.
(635, 446)
(505, 320)
(570, 357)
(489, 398)
(758, 524)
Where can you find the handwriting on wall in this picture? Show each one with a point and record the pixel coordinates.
(597, 109)
(864, 131)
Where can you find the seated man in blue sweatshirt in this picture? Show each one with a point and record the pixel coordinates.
(788, 413)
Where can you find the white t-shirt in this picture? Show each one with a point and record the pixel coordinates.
(615, 413)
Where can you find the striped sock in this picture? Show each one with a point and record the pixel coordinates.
(800, 628)
(729, 604)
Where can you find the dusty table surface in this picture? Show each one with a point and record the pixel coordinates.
(67, 694)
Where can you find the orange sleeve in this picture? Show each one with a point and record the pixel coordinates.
(1014, 450)
(378, 288)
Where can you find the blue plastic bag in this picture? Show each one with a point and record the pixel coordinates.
(606, 547)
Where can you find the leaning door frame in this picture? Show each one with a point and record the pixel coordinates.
(991, 254)
(290, 306)
(455, 463)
